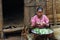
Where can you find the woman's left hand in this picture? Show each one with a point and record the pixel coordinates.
(43, 24)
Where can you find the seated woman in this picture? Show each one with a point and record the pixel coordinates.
(40, 21)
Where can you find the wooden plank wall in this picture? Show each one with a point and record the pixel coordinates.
(1, 19)
(58, 10)
(52, 9)
(49, 11)
(30, 9)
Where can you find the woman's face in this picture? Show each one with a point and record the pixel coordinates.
(39, 13)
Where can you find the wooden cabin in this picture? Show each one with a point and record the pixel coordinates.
(19, 12)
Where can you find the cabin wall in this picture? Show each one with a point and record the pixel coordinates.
(50, 12)
(51, 9)
(58, 10)
(1, 17)
(30, 9)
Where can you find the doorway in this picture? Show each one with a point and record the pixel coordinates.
(13, 11)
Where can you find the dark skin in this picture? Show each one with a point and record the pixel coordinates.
(39, 14)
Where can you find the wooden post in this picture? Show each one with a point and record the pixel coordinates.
(54, 12)
(26, 15)
(1, 20)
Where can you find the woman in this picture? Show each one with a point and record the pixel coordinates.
(39, 21)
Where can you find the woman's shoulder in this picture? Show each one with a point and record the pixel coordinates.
(44, 16)
(34, 16)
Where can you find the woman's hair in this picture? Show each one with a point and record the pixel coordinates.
(39, 8)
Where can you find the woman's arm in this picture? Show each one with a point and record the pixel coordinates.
(33, 22)
(46, 21)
